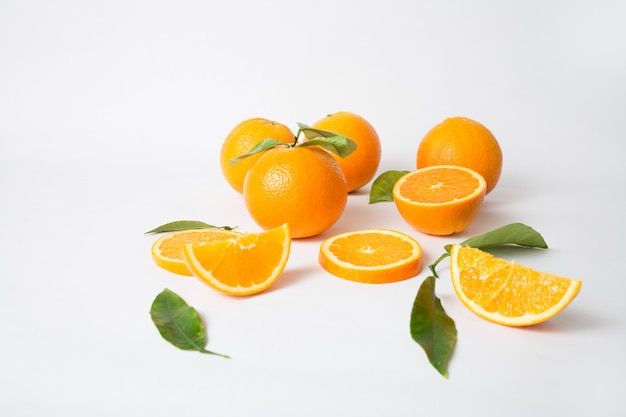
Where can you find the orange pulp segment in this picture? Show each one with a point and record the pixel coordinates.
(241, 265)
(505, 292)
(167, 250)
(371, 256)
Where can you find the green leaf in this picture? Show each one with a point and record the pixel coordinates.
(431, 327)
(185, 225)
(312, 133)
(339, 145)
(517, 234)
(178, 323)
(382, 187)
(512, 234)
(333, 142)
(264, 145)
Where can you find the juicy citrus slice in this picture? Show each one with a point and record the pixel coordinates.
(241, 265)
(506, 292)
(372, 256)
(440, 200)
(167, 251)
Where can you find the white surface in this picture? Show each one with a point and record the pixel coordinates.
(112, 114)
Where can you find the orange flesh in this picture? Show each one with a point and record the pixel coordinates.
(439, 186)
(172, 248)
(241, 265)
(365, 250)
(509, 293)
(373, 256)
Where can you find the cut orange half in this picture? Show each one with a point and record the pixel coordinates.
(372, 256)
(240, 265)
(506, 292)
(167, 251)
(440, 200)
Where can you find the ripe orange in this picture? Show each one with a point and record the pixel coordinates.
(464, 142)
(302, 186)
(167, 251)
(440, 200)
(360, 166)
(505, 292)
(372, 256)
(241, 139)
(241, 265)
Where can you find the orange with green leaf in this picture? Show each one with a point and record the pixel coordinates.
(300, 183)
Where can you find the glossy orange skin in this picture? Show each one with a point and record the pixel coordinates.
(301, 186)
(360, 166)
(241, 139)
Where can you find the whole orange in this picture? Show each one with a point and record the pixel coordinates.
(360, 166)
(463, 142)
(241, 139)
(301, 186)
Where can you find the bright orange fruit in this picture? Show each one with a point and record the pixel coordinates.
(463, 142)
(244, 137)
(241, 265)
(167, 250)
(506, 292)
(302, 186)
(371, 256)
(440, 200)
(360, 166)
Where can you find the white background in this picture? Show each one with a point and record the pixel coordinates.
(112, 114)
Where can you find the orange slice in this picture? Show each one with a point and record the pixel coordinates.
(241, 265)
(440, 200)
(167, 251)
(506, 292)
(372, 256)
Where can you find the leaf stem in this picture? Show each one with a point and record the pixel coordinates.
(208, 352)
(434, 264)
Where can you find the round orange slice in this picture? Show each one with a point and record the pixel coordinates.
(241, 264)
(167, 251)
(372, 256)
(505, 292)
(440, 200)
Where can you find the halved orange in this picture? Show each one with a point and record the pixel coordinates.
(505, 292)
(440, 200)
(372, 256)
(167, 251)
(241, 265)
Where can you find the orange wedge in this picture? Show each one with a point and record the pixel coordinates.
(506, 292)
(167, 251)
(372, 256)
(241, 265)
(440, 200)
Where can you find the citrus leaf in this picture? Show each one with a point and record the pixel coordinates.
(264, 145)
(339, 145)
(185, 225)
(382, 187)
(312, 133)
(179, 323)
(512, 234)
(431, 327)
(516, 234)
